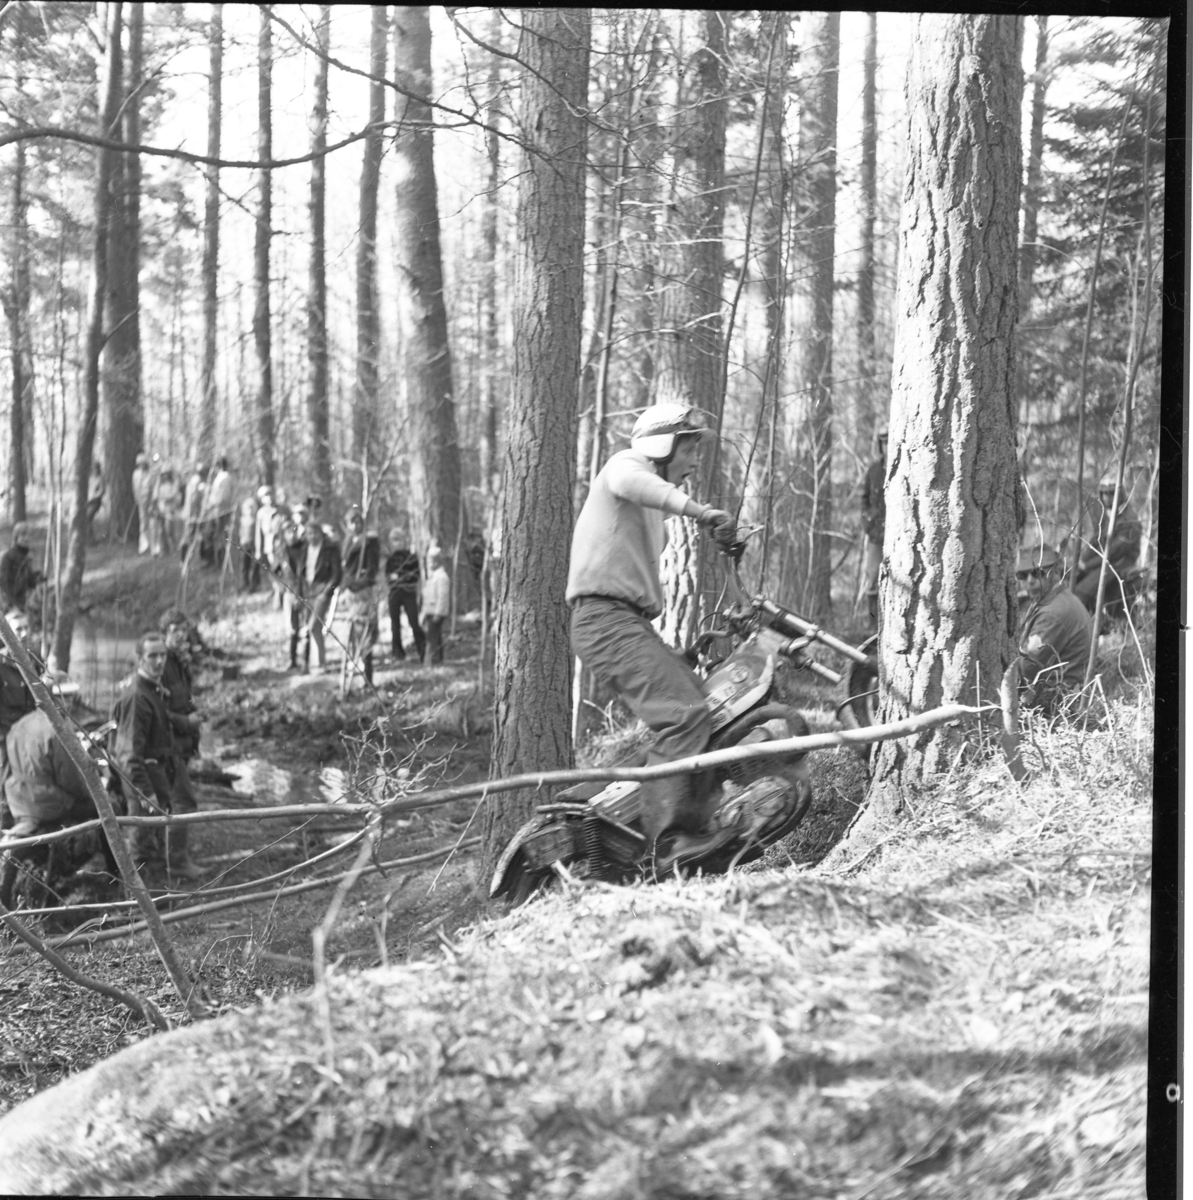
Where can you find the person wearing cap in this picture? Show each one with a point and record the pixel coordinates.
(44, 791)
(18, 575)
(319, 576)
(1056, 633)
(1120, 550)
(614, 592)
(436, 603)
(402, 576)
(873, 525)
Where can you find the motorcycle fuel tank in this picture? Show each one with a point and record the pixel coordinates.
(741, 680)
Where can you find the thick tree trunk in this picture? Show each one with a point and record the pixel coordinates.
(867, 366)
(434, 447)
(211, 239)
(317, 399)
(122, 356)
(366, 405)
(947, 590)
(1033, 190)
(533, 669)
(76, 562)
(812, 313)
(492, 368)
(689, 367)
(262, 336)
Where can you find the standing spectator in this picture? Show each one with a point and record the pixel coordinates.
(178, 683)
(15, 697)
(1121, 551)
(217, 512)
(95, 499)
(291, 559)
(358, 588)
(192, 512)
(144, 750)
(18, 575)
(437, 602)
(320, 576)
(873, 526)
(167, 509)
(402, 575)
(246, 541)
(265, 528)
(143, 481)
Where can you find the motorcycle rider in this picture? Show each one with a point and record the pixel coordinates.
(614, 592)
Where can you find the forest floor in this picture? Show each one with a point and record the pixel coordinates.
(961, 1011)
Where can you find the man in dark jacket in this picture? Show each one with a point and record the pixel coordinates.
(402, 576)
(319, 576)
(1056, 634)
(358, 585)
(1121, 550)
(18, 575)
(144, 751)
(178, 682)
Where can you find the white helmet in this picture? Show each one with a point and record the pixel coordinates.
(655, 431)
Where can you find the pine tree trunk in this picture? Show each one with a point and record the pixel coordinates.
(122, 356)
(16, 309)
(211, 238)
(812, 312)
(689, 367)
(266, 450)
(366, 404)
(76, 561)
(947, 591)
(434, 447)
(317, 398)
(533, 668)
(867, 368)
(490, 464)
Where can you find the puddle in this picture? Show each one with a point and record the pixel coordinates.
(270, 784)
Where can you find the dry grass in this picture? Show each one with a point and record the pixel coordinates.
(963, 1014)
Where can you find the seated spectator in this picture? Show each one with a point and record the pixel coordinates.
(16, 700)
(1056, 634)
(177, 681)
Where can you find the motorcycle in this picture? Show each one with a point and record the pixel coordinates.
(594, 830)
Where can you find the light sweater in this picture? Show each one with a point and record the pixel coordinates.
(619, 535)
(437, 593)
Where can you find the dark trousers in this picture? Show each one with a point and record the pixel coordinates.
(434, 630)
(405, 602)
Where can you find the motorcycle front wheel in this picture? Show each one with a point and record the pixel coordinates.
(858, 706)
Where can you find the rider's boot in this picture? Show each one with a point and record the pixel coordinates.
(675, 816)
(179, 864)
(368, 664)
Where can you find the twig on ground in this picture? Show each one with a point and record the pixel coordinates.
(144, 1008)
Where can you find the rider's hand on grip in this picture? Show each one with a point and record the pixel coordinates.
(722, 526)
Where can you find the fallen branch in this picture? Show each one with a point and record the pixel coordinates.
(140, 1005)
(197, 910)
(432, 799)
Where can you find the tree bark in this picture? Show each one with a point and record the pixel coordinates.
(533, 669)
(490, 463)
(262, 338)
(812, 313)
(317, 398)
(122, 356)
(868, 182)
(366, 405)
(76, 562)
(689, 366)
(947, 595)
(208, 390)
(434, 446)
(1033, 191)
